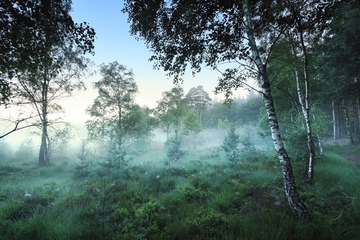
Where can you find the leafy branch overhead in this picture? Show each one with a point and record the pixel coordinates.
(30, 29)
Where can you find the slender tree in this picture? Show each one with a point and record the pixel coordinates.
(46, 88)
(29, 30)
(117, 90)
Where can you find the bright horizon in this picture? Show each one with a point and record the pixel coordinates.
(113, 42)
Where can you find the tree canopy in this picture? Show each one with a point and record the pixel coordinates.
(183, 33)
(29, 30)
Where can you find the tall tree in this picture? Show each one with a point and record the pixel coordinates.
(29, 30)
(182, 33)
(117, 90)
(198, 99)
(44, 89)
(305, 37)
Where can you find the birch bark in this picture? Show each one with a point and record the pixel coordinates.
(296, 204)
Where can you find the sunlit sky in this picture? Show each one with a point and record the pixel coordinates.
(114, 43)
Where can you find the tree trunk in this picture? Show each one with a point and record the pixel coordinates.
(319, 140)
(358, 113)
(44, 157)
(292, 196)
(305, 106)
(347, 121)
(44, 151)
(334, 120)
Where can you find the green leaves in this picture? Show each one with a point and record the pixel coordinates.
(231, 145)
(29, 31)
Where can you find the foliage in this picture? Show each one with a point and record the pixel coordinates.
(84, 167)
(30, 29)
(198, 99)
(115, 158)
(192, 124)
(231, 146)
(140, 124)
(174, 151)
(25, 151)
(116, 120)
(201, 197)
(248, 145)
(339, 47)
(43, 89)
(171, 110)
(59, 141)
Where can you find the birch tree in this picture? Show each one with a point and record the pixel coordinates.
(45, 89)
(29, 30)
(198, 33)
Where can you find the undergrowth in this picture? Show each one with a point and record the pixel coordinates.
(200, 196)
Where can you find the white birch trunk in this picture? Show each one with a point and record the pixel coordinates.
(334, 119)
(305, 107)
(292, 196)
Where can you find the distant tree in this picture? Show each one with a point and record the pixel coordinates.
(139, 123)
(6, 150)
(83, 168)
(25, 151)
(192, 127)
(171, 110)
(342, 81)
(59, 140)
(29, 30)
(219, 111)
(198, 99)
(117, 90)
(231, 145)
(249, 111)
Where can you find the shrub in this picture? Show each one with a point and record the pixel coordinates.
(231, 145)
(174, 151)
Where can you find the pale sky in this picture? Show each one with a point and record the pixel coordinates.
(114, 43)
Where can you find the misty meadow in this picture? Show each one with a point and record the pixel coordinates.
(279, 162)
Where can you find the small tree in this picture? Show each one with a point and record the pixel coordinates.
(174, 151)
(231, 145)
(192, 127)
(84, 167)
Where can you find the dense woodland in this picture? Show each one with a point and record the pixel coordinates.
(281, 163)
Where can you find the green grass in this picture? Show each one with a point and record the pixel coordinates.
(199, 197)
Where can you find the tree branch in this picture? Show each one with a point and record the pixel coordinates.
(17, 128)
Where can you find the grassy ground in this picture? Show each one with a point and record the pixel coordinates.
(199, 197)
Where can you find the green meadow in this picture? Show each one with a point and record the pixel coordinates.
(201, 196)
